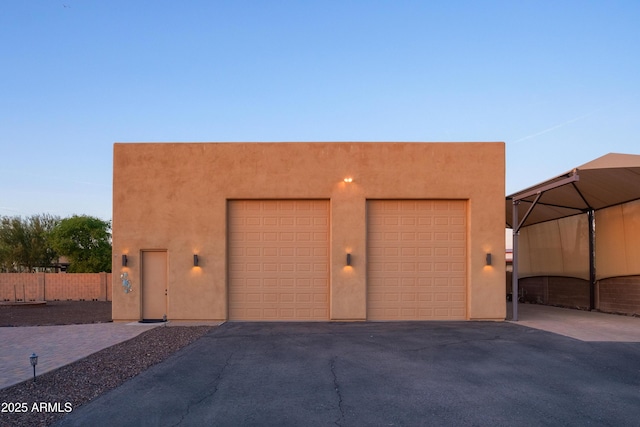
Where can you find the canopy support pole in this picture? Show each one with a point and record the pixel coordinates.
(592, 258)
(514, 263)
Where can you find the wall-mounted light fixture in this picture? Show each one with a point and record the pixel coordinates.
(349, 259)
(488, 259)
(124, 260)
(195, 260)
(348, 179)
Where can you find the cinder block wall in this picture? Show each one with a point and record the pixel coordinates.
(569, 292)
(620, 295)
(554, 290)
(534, 289)
(613, 295)
(55, 286)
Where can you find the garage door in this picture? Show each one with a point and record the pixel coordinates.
(279, 260)
(416, 259)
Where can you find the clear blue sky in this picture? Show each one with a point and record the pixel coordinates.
(558, 81)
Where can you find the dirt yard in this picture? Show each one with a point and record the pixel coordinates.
(56, 313)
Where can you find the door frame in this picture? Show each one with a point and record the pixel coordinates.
(166, 295)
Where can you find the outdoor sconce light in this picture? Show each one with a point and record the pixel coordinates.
(195, 260)
(348, 179)
(34, 361)
(124, 260)
(488, 258)
(348, 259)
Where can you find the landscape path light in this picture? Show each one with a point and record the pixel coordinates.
(34, 361)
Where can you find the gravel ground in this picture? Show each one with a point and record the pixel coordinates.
(78, 383)
(56, 313)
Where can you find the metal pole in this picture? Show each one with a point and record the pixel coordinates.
(592, 259)
(514, 262)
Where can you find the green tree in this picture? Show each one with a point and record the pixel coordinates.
(24, 243)
(85, 241)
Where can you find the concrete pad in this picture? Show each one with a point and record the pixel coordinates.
(579, 324)
(193, 323)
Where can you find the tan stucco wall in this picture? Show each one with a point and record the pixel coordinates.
(174, 196)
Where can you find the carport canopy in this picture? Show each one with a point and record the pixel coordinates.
(610, 180)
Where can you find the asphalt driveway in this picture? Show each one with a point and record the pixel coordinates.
(380, 374)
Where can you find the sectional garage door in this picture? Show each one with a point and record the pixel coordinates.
(278, 260)
(416, 259)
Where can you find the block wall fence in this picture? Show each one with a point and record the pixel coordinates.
(620, 295)
(16, 287)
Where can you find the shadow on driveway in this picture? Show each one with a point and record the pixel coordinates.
(379, 374)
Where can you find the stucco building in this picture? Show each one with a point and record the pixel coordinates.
(309, 231)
